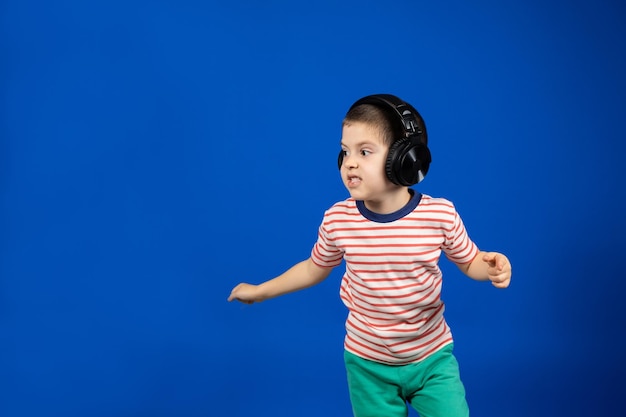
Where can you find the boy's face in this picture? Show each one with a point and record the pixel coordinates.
(363, 168)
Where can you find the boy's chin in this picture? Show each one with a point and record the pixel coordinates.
(356, 195)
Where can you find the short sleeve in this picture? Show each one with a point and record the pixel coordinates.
(458, 246)
(325, 253)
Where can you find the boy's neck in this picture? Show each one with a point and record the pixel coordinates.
(391, 202)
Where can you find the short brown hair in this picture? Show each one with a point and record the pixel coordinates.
(376, 117)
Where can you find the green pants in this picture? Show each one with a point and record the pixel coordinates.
(432, 386)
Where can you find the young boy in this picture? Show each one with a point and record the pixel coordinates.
(398, 347)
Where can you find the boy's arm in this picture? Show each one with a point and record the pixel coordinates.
(489, 266)
(300, 276)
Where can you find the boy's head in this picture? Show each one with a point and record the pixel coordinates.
(402, 131)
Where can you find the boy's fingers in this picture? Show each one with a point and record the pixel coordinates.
(503, 284)
(496, 260)
(500, 263)
(232, 295)
(503, 264)
(487, 256)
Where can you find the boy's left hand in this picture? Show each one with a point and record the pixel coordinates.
(498, 269)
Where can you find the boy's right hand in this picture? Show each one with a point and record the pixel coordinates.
(246, 293)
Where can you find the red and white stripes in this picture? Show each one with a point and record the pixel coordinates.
(392, 283)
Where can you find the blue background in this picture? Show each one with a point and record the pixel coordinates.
(154, 154)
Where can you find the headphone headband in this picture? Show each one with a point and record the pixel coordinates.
(410, 119)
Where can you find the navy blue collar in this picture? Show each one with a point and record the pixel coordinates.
(391, 217)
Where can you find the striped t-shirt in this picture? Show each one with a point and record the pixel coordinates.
(392, 283)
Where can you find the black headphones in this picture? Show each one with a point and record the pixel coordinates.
(409, 157)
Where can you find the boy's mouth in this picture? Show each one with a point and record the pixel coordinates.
(353, 180)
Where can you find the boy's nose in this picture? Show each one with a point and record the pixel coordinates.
(349, 161)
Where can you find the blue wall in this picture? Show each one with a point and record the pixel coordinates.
(154, 154)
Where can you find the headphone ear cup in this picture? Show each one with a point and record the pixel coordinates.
(392, 157)
(423, 157)
(340, 159)
(407, 162)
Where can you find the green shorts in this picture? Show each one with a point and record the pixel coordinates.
(432, 386)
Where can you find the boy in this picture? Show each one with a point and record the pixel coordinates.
(398, 347)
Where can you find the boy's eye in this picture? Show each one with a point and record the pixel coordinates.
(365, 152)
(344, 152)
